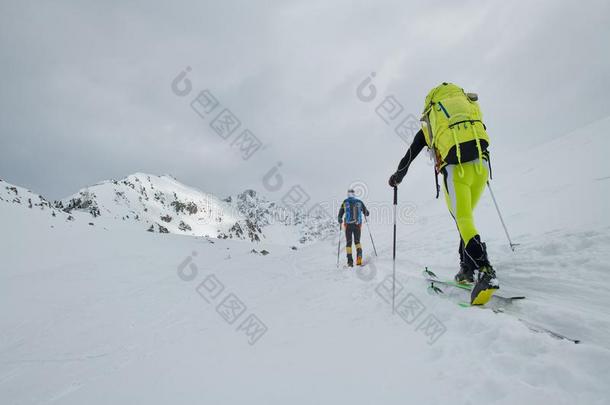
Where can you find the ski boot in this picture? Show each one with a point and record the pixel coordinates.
(350, 261)
(486, 286)
(359, 260)
(465, 275)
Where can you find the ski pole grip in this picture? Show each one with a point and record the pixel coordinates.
(395, 195)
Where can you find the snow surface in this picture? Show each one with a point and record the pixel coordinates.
(97, 314)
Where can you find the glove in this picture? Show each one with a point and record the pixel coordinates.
(340, 221)
(366, 214)
(393, 182)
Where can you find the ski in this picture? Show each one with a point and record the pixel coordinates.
(467, 287)
(365, 262)
(433, 279)
(355, 266)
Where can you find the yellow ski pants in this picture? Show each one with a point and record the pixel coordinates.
(463, 187)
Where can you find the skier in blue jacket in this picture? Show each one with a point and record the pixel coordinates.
(353, 209)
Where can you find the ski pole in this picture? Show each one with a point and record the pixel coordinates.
(339, 246)
(510, 242)
(394, 251)
(370, 234)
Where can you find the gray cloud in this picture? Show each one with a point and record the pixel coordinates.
(86, 87)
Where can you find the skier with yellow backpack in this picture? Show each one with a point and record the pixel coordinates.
(453, 130)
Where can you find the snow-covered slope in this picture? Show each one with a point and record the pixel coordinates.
(161, 203)
(279, 223)
(11, 194)
(561, 184)
(95, 314)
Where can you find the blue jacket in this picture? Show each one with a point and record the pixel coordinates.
(353, 209)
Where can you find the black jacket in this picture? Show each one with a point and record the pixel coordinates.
(468, 152)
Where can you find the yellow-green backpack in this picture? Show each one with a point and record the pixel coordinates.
(452, 117)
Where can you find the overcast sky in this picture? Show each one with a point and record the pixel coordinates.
(87, 86)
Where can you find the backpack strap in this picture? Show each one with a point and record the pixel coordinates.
(458, 153)
(478, 141)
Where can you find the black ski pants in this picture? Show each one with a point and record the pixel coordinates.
(352, 233)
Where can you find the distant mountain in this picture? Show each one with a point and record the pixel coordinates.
(163, 204)
(13, 195)
(274, 219)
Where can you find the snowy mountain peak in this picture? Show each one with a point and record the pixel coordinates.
(163, 204)
(19, 196)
